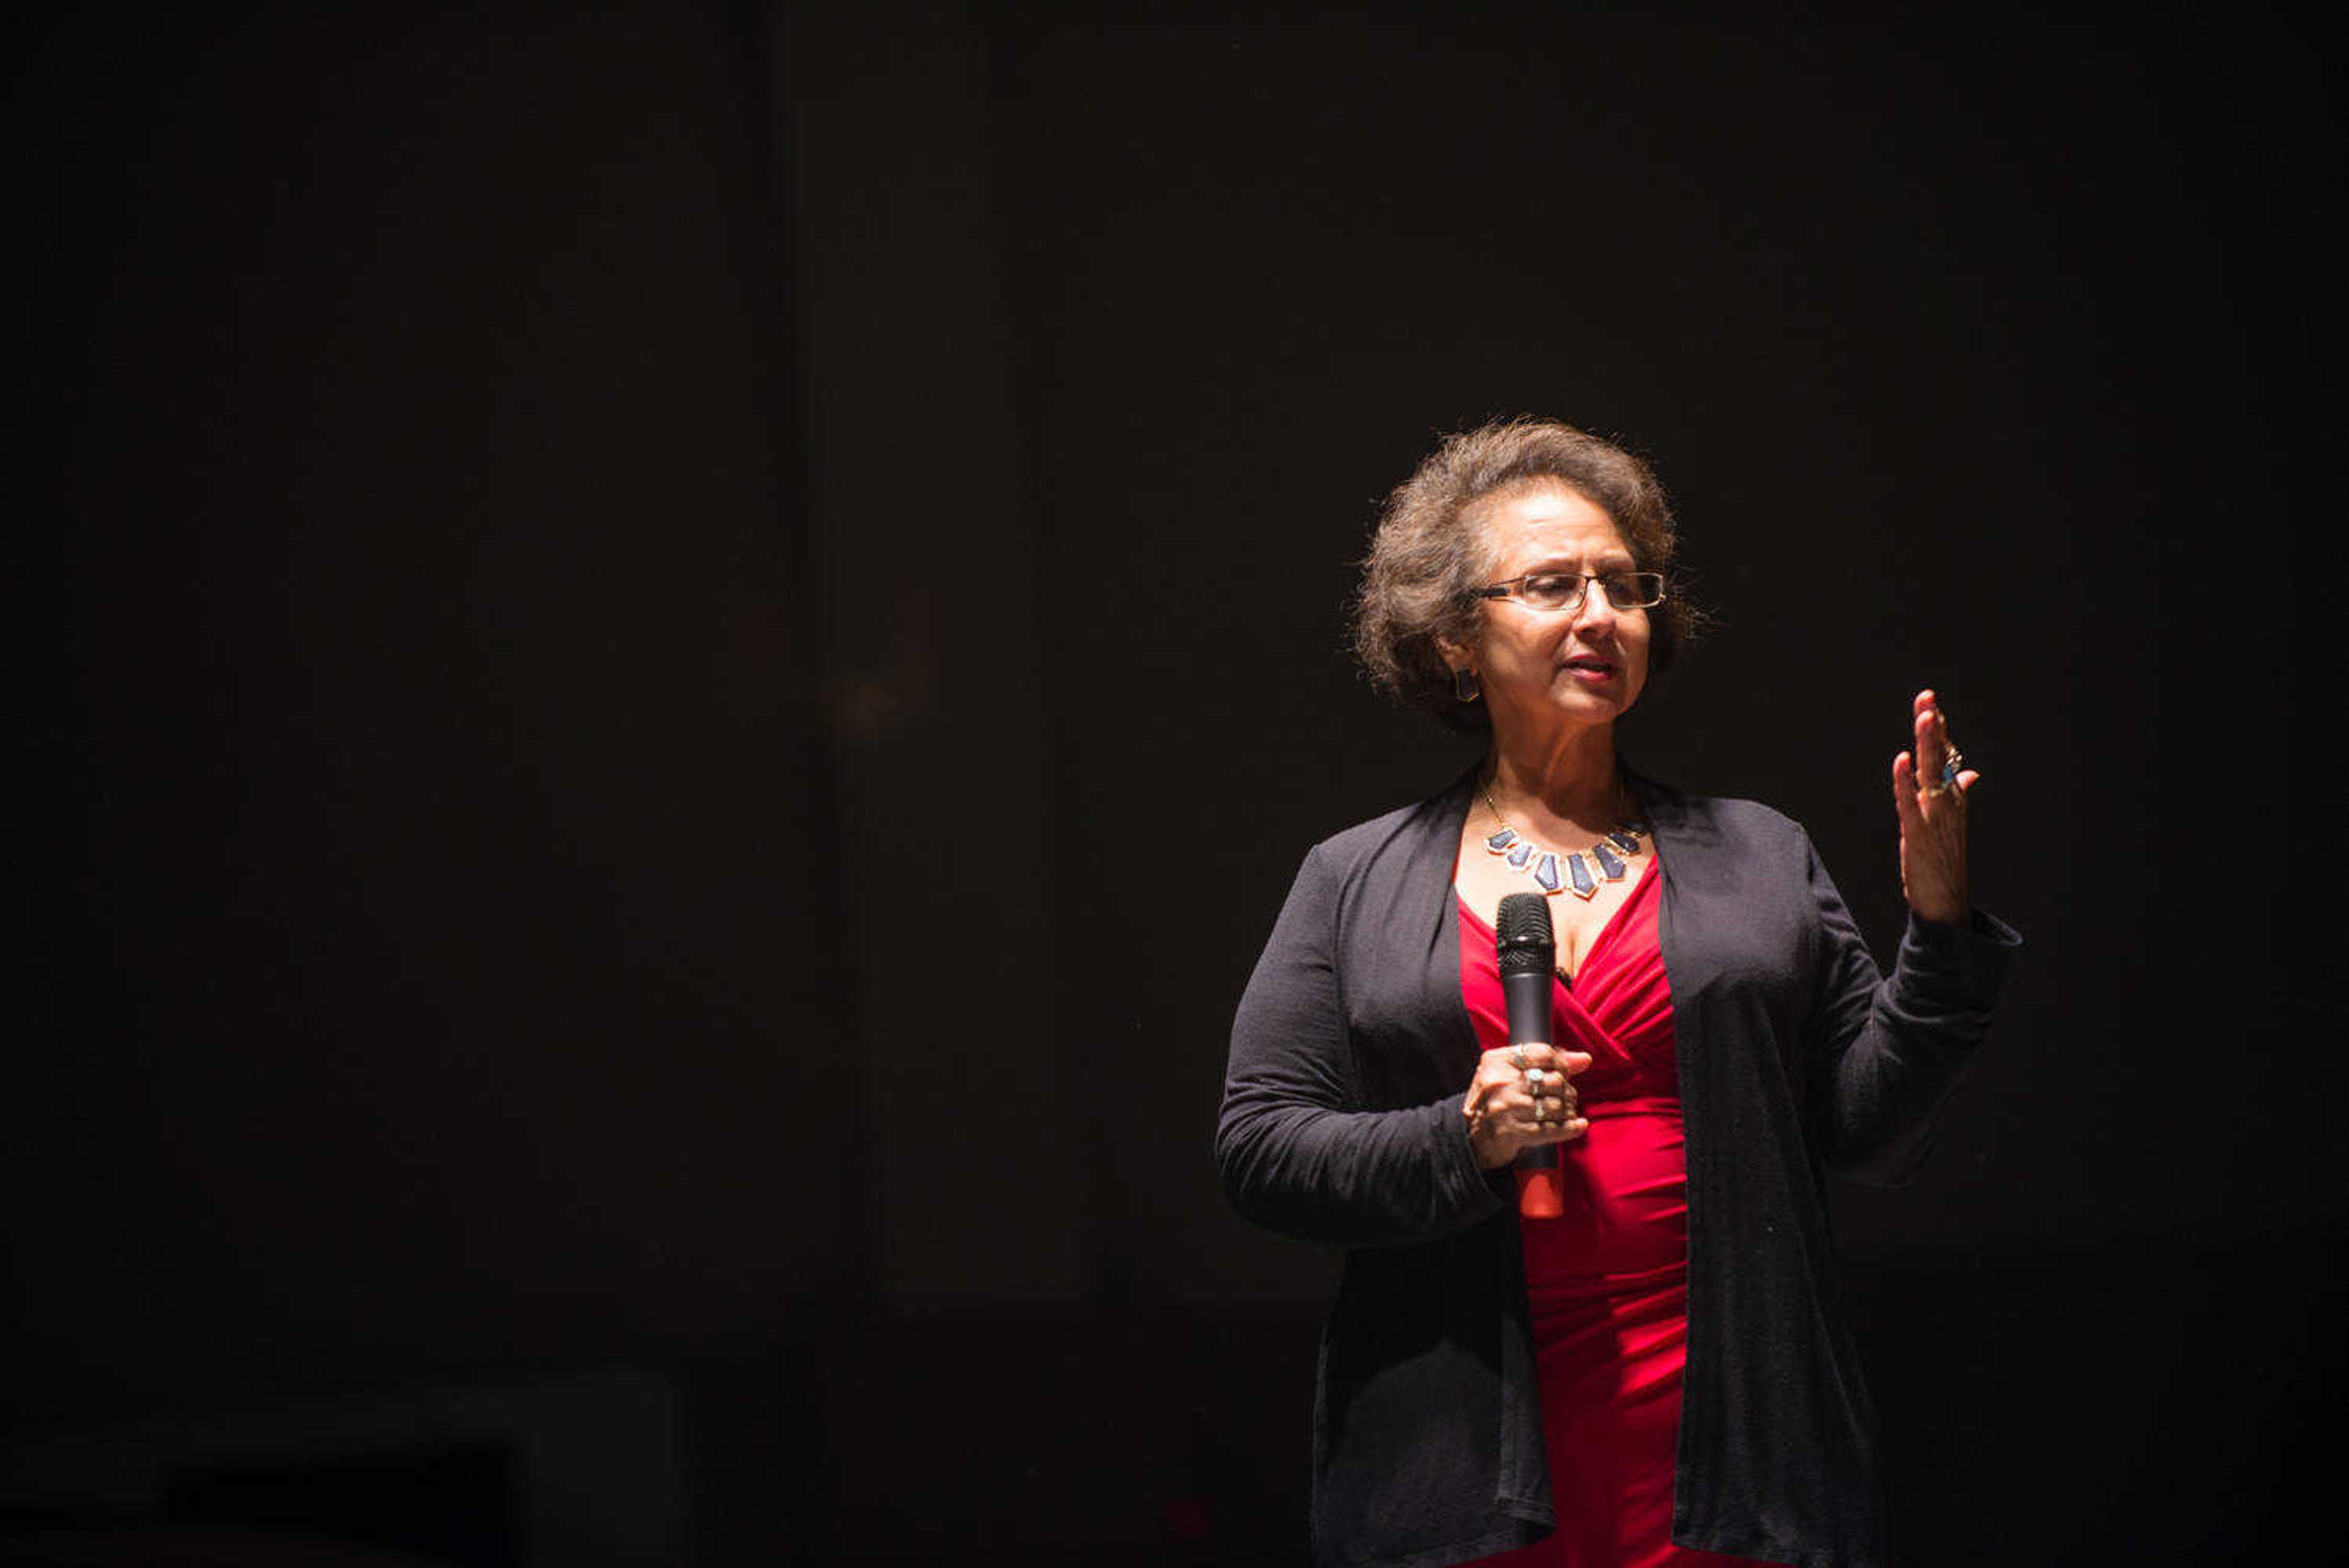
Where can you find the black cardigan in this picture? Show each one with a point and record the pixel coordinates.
(1342, 1125)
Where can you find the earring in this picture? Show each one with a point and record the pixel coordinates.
(1464, 685)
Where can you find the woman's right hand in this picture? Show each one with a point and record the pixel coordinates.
(1523, 1097)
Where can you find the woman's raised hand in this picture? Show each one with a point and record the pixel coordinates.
(1523, 1096)
(1928, 791)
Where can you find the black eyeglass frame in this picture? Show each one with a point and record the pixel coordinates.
(1511, 588)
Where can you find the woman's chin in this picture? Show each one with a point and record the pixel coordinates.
(1580, 704)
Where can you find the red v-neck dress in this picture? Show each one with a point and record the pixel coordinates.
(1608, 1279)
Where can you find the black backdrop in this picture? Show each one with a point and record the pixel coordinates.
(667, 662)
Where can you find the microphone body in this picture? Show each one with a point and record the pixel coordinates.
(1528, 949)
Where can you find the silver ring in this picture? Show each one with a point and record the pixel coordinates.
(1534, 1081)
(1517, 1057)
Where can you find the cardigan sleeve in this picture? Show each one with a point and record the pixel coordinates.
(1886, 1051)
(1297, 1150)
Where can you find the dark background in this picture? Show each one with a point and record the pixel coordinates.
(667, 662)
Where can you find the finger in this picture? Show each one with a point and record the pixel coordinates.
(1557, 1110)
(1921, 708)
(1944, 783)
(1952, 799)
(1559, 1103)
(1904, 794)
(1932, 745)
(1554, 1065)
(1549, 1059)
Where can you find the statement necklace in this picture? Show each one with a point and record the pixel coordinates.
(1578, 871)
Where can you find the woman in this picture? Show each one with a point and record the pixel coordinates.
(1663, 1372)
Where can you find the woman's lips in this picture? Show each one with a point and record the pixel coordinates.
(1593, 670)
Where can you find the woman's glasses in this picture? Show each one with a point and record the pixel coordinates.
(1565, 590)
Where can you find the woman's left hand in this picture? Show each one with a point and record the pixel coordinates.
(1930, 797)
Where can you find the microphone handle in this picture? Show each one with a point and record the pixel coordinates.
(1541, 1186)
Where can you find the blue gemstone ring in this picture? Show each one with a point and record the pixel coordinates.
(1955, 760)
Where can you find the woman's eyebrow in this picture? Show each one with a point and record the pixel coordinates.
(1612, 561)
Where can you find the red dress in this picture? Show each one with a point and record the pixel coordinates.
(1608, 1279)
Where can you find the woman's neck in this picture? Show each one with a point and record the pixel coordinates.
(1564, 781)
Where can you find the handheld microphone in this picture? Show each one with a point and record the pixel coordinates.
(1528, 949)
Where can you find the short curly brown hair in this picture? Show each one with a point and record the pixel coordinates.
(1428, 554)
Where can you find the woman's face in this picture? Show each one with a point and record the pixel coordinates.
(1540, 669)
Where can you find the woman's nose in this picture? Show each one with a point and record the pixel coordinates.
(1597, 610)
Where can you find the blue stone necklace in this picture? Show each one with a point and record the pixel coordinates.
(1579, 872)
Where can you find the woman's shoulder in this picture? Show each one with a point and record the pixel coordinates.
(1731, 821)
(1407, 830)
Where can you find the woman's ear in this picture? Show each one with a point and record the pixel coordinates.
(1465, 687)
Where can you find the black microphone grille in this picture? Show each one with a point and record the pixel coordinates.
(1522, 924)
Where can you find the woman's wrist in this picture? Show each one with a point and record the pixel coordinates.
(1481, 1139)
